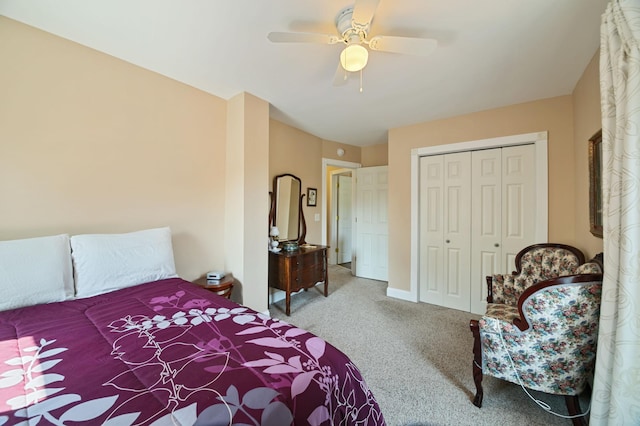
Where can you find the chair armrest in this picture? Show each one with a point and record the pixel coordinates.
(523, 322)
(589, 268)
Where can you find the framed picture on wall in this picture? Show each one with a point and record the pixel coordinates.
(595, 184)
(312, 194)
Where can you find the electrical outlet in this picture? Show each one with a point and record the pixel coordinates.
(317, 217)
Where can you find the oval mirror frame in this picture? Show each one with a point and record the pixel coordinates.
(286, 208)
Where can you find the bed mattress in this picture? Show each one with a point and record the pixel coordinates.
(169, 352)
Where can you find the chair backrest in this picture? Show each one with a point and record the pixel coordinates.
(560, 299)
(561, 316)
(541, 262)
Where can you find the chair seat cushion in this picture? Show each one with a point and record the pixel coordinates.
(502, 312)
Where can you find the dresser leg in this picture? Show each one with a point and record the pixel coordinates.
(288, 303)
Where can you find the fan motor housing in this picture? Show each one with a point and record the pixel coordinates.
(349, 32)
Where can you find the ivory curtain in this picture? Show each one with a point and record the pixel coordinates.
(616, 393)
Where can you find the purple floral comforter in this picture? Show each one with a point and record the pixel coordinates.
(170, 353)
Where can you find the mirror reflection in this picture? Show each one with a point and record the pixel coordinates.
(287, 207)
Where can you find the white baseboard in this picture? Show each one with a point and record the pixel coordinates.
(401, 294)
(276, 295)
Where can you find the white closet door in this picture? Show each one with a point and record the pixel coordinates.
(503, 185)
(372, 229)
(431, 229)
(518, 202)
(445, 222)
(457, 231)
(486, 223)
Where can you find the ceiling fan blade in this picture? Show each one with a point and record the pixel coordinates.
(341, 76)
(280, 37)
(363, 12)
(408, 45)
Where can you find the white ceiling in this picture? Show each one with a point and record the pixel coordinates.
(491, 53)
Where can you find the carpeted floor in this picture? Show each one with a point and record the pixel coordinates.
(415, 357)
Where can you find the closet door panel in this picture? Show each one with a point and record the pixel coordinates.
(519, 202)
(431, 229)
(457, 227)
(486, 222)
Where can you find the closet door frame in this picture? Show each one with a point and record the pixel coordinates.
(538, 139)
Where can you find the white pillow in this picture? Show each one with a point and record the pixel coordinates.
(34, 271)
(107, 262)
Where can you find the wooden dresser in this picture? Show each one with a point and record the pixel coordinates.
(299, 269)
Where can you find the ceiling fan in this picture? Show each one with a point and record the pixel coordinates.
(353, 25)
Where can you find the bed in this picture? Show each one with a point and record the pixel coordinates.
(165, 352)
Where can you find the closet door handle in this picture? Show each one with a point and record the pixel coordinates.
(496, 245)
(447, 241)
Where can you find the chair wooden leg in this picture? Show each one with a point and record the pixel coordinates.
(477, 362)
(573, 406)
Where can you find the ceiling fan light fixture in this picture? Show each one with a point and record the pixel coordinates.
(354, 57)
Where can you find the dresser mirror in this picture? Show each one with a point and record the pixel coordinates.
(286, 208)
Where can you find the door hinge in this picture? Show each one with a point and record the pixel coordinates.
(337, 249)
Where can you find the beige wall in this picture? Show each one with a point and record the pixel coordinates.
(293, 151)
(587, 121)
(375, 155)
(89, 143)
(92, 144)
(247, 197)
(330, 150)
(553, 115)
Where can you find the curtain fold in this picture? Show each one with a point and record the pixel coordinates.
(616, 391)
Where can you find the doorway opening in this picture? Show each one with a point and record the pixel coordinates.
(341, 217)
(337, 198)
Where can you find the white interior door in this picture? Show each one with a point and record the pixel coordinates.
(476, 212)
(370, 252)
(343, 219)
(486, 223)
(445, 198)
(431, 229)
(504, 206)
(457, 231)
(508, 208)
(518, 202)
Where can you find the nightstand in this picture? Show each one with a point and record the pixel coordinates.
(224, 288)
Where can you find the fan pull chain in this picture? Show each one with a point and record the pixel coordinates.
(360, 81)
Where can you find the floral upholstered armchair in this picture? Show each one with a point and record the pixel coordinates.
(535, 263)
(541, 324)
